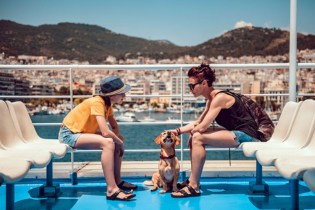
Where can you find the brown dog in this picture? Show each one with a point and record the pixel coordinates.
(168, 173)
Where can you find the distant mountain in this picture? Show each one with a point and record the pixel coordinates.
(250, 41)
(94, 43)
(77, 41)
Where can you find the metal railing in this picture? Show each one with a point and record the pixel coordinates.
(147, 67)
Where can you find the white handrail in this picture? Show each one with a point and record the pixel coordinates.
(153, 67)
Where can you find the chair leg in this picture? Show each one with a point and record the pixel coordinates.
(49, 189)
(259, 187)
(294, 188)
(9, 196)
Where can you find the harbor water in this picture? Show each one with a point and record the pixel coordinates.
(136, 137)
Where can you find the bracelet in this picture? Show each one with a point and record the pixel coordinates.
(178, 131)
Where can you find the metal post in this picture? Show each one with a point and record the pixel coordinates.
(50, 189)
(258, 187)
(182, 172)
(9, 188)
(293, 49)
(71, 91)
(258, 172)
(49, 174)
(294, 187)
(181, 114)
(73, 174)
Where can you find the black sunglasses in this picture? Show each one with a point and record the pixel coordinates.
(192, 86)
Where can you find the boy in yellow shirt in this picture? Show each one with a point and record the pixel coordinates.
(79, 130)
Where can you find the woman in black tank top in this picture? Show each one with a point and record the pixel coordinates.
(228, 111)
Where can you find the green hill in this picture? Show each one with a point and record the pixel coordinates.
(94, 43)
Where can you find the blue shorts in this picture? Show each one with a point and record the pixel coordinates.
(68, 137)
(241, 137)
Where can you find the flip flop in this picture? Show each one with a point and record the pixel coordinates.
(115, 194)
(121, 186)
(184, 184)
(192, 191)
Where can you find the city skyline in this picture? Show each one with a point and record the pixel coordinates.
(164, 20)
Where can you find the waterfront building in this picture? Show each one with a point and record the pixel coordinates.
(141, 87)
(12, 86)
(42, 89)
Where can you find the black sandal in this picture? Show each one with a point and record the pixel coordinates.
(121, 186)
(184, 184)
(192, 191)
(115, 194)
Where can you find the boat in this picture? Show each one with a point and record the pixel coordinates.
(148, 118)
(138, 110)
(169, 119)
(127, 117)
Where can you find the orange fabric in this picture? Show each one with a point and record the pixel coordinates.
(82, 119)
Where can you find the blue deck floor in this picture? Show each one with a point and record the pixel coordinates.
(217, 193)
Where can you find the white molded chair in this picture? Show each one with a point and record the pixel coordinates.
(11, 171)
(301, 134)
(11, 146)
(309, 179)
(28, 134)
(281, 133)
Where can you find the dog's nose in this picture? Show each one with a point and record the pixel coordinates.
(169, 133)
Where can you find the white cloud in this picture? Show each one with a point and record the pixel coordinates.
(267, 24)
(242, 24)
(305, 33)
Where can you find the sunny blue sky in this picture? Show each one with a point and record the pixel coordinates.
(183, 22)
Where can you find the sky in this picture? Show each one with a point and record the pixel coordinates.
(182, 22)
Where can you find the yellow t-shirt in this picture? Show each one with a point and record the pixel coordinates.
(82, 119)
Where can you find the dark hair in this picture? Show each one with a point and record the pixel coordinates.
(203, 72)
(107, 101)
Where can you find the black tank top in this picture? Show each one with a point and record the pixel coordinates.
(237, 118)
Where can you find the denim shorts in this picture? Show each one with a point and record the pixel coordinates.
(68, 137)
(241, 137)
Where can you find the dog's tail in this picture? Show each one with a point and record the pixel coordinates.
(148, 183)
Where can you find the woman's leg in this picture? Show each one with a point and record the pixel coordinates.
(221, 138)
(94, 141)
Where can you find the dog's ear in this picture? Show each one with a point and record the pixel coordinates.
(158, 139)
(177, 141)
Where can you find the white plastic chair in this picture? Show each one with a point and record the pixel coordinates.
(309, 179)
(301, 134)
(12, 147)
(28, 134)
(11, 171)
(281, 133)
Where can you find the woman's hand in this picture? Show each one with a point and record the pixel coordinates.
(196, 123)
(172, 131)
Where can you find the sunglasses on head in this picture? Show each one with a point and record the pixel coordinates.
(192, 86)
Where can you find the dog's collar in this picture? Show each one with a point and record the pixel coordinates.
(165, 157)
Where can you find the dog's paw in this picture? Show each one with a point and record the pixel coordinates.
(154, 188)
(162, 191)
